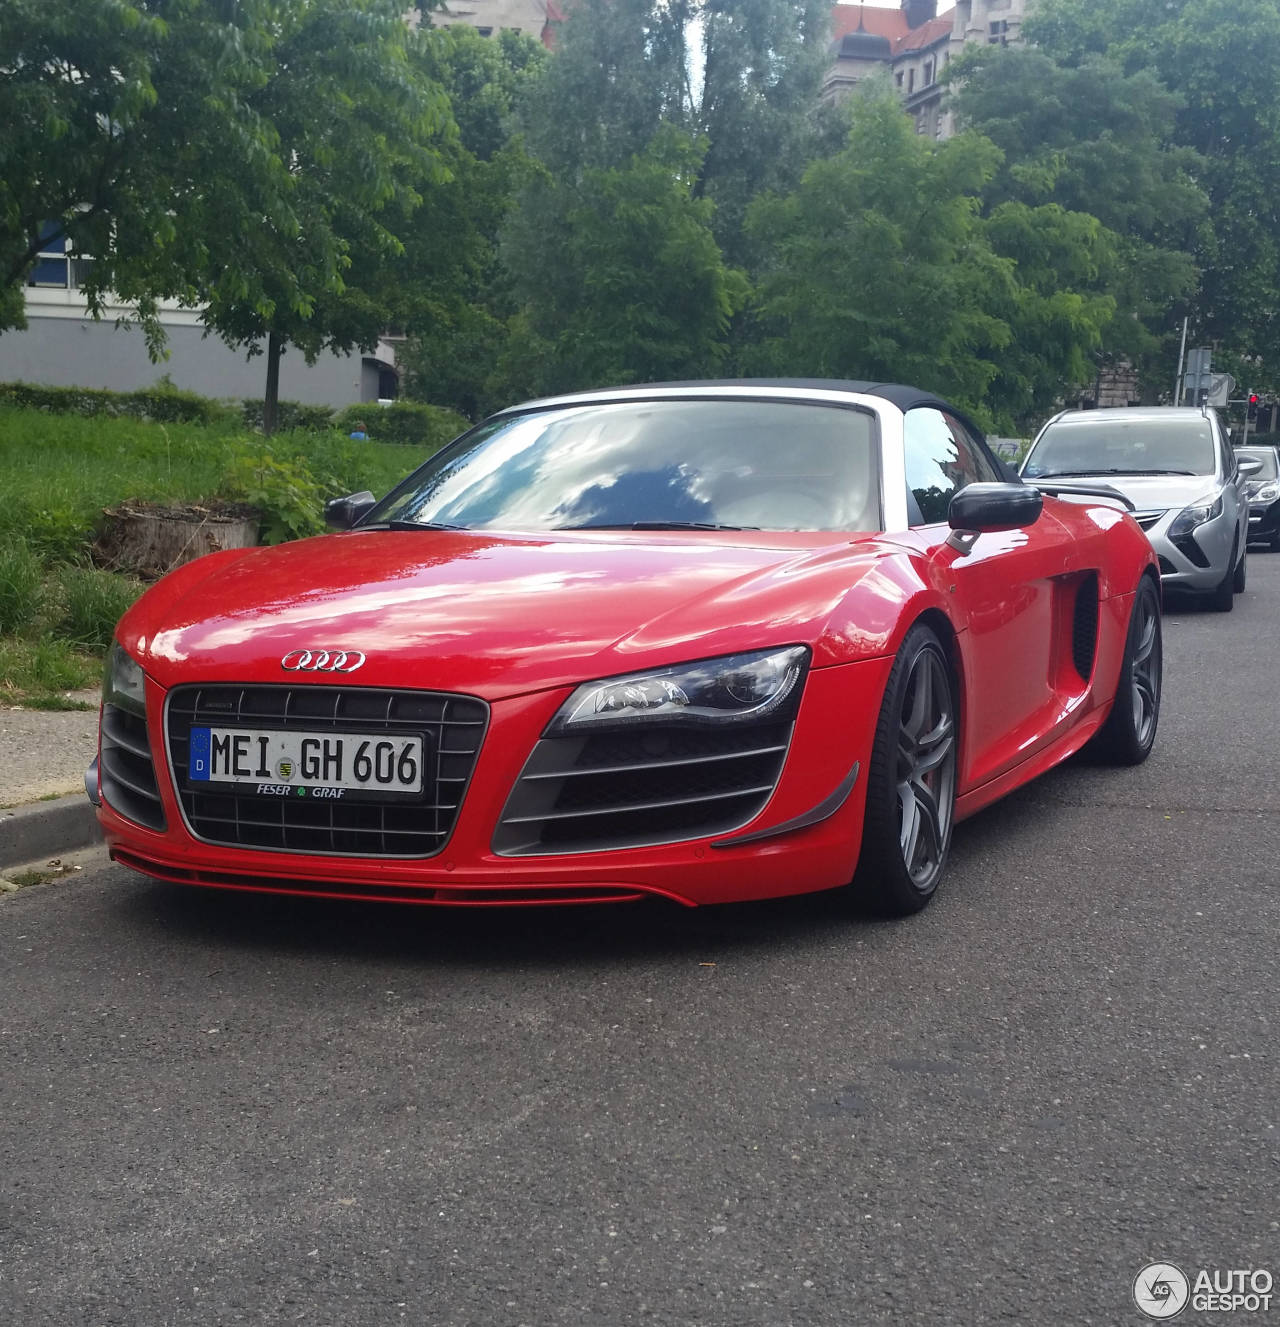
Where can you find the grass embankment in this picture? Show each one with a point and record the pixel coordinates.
(58, 473)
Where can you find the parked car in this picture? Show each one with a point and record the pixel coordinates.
(1176, 466)
(1263, 490)
(696, 642)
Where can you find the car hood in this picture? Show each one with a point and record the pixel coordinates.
(1153, 492)
(490, 614)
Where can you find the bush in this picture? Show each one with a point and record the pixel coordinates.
(289, 415)
(20, 582)
(409, 423)
(92, 603)
(284, 491)
(162, 403)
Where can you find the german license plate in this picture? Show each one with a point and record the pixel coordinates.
(281, 764)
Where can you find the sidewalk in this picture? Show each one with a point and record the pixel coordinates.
(43, 756)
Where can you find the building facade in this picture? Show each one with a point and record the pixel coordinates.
(915, 44)
(534, 18)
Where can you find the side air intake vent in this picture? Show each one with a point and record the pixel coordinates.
(1084, 626)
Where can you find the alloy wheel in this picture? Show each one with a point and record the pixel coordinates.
(1145, 671)
(926, 767)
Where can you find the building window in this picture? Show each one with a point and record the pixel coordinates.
(928, 73)
(897, 78)
(999, 33)
(488, 32)
(56, 265)
(911, 81)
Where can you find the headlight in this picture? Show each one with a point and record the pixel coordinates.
(122, 682)
(730, 689)
(1190, 517)
(1267, 493)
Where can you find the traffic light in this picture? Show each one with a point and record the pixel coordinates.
(1253, 407)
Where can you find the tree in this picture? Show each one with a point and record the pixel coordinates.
(361, 132)
(879, 268)
(639, 290)
(121, 118)
(884, 268)
(1219, 57)
(461, 301)
(1095, 143)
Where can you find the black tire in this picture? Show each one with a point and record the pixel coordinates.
(911, 784)
(1238, 580)
(1130, 730)
(1222, 598)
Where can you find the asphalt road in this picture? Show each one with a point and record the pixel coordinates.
(221, 1110)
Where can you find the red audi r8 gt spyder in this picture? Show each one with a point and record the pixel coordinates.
(700, 642)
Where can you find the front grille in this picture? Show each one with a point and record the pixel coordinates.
(1147, 519)
(1084, 626)
(126, 770)
(453, 727)
(628, 789)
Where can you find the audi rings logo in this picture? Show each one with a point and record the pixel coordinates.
(322, 661)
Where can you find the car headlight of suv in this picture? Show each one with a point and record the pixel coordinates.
(735, 688)
(122, 682)
(1191, 517)
(1267, 493)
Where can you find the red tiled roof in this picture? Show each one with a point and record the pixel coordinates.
(891, 23)
(554, 13)
(926, 34)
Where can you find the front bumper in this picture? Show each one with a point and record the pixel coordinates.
(467, 872)
(1199, 562)
(1264, 520)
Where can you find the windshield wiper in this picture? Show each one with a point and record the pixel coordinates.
(1113, 470)
(416, 525)
(659, 525)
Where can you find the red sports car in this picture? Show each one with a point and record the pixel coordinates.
(701, 642)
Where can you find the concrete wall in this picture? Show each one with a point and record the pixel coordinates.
(78, 352)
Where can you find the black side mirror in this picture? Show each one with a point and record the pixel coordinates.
(986, 508)
(343, 513)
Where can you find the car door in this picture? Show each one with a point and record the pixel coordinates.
(1006, 598)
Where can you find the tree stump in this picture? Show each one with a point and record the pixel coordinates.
(149, 540)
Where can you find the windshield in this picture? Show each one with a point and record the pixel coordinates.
(1083, 446)
(1267, 455)
(767, 465)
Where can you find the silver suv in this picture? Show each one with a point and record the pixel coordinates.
(1176, 465)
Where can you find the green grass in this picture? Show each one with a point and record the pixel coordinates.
(57, 612)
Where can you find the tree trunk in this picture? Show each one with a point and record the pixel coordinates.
(272, 400)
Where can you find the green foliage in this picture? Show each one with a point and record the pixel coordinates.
(880, 266)
(289, 415)
(162, 403)
(361, 128)
(407, 423)
(640, 291)
(284, 491)
(21, 578)
(33, 669)
(1218, 57)
(91, 603)
(1094, 142)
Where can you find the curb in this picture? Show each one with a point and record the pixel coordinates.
(47, 829)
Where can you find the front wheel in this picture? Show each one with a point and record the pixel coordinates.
(911, 785)
(1130, 730)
